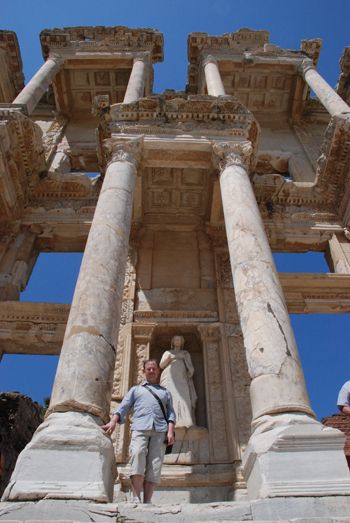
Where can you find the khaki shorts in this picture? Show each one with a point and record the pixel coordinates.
(147, 454)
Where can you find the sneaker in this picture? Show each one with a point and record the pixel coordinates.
(147, 503)
(136, 500)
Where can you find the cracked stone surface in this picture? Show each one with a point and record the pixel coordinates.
(278, 382)
(85, 372)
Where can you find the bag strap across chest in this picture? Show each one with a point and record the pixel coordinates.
(158, 399)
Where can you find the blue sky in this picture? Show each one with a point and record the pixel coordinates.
(323, 340)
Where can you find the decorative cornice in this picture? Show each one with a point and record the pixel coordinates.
(123, 150)
(226, 154)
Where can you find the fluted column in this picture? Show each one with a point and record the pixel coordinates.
(278, 382)
(137, 80)
(327, 96)
(34, 90)
(215, 86)
(84, 376)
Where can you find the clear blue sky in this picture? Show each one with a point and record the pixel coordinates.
(323, 340)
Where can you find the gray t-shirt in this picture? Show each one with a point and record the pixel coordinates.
(344, 396)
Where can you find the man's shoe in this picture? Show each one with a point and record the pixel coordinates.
(136, 500)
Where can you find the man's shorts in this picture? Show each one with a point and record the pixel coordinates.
(147, 454)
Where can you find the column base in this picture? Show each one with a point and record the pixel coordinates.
(294, 455)
(69, 457)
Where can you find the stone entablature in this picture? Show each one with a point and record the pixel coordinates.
(97, 39)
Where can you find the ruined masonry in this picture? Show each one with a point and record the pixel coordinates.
(193, 191)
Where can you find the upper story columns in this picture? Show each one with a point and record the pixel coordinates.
(34, 90)
(327, 96)
(215, 86)
(137, 80)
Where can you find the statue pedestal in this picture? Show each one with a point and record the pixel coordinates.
(191, 446)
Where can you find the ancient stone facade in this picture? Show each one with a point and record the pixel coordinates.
(193, 191)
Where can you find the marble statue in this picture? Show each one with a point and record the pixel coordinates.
(177, 377)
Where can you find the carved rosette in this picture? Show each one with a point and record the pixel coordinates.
(100, 104)
(227, 154)
(123, 150)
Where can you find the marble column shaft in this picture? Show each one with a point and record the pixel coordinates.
(137, 80)
(84, 376)
(34, 90)
(278, 382)
(327, 96)
(215, 86)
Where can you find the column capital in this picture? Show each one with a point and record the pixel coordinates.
(226, 154)
(123, 150)
(209, 59)
(142, 57)
(58, 58)
(210, 332)
(305, 66)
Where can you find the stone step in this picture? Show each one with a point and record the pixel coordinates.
(331, 509)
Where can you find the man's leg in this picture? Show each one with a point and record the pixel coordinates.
(154, 462)
(137, 483)
(138, 446)
(148, 489)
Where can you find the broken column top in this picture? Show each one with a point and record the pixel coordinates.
(100, 38)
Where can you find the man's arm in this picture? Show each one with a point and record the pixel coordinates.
(171, 418)
(343, 402)
(120, 413)
(345, 410)
(170, 434)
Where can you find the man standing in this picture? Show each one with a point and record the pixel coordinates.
(151, 432)
(343, 402)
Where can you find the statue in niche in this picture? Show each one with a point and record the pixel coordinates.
(177, 377)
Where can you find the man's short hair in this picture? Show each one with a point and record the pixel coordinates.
(149, 361)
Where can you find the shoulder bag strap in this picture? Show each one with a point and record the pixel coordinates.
(158, 399)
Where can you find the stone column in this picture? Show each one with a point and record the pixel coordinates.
(213, 78)
(282, 416)
(85, 371)
(137, 80)
(70, 456)
(33, 91)
(327, 96)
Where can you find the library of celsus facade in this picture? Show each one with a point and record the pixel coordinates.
(192, 191)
